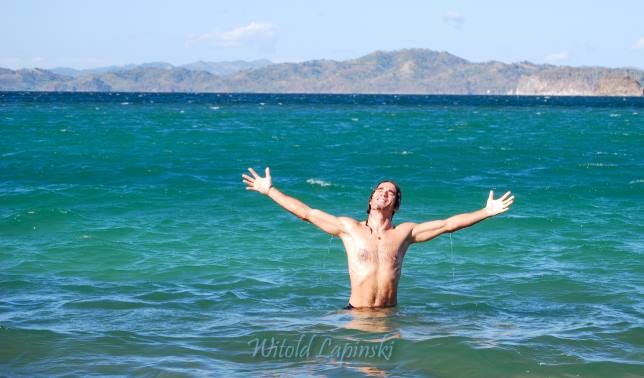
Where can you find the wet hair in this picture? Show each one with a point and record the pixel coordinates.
(398, 196)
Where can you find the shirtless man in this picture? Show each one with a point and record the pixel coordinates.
(375, 247)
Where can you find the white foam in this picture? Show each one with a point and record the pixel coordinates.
(319, 182)
(600, 165)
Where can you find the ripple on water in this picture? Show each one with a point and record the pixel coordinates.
(148, 257)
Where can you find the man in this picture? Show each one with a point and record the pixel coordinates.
(375, 247)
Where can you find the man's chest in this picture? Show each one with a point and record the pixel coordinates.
(369, 249)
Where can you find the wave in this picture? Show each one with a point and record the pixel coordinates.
(322, 183)
(598, 165)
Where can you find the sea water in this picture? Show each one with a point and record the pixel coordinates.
(128, 244)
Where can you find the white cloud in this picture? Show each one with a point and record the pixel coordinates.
(255, 32)
(639, 44)
(454, 18)
(556, 57)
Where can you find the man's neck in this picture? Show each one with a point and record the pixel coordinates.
(379, 222)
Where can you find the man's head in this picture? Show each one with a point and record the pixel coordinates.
(385, 196)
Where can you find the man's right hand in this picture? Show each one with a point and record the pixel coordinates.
(258, 183)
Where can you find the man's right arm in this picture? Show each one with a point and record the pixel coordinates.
(326, 222)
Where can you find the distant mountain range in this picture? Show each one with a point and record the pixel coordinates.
(215, 68)
(409, 71)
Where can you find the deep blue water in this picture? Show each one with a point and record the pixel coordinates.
(128, 244)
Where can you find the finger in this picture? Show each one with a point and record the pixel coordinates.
(491, 196)
(267, 171)
(505, 195)
(252, 172)
(251, 188)
(247, 177)
(248, 183)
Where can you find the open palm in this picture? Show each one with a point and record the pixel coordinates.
(500, 205)
(257, 182)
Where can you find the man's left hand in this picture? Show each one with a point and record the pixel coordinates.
(498, 206)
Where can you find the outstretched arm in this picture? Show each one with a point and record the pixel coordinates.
(426, 231)
(264, 185)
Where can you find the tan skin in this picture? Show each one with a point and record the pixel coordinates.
(376, 248)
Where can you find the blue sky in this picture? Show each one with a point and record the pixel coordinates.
(84, 34)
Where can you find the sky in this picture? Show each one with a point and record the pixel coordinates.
(94, 33)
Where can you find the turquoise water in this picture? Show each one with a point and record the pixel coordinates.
(128, 244)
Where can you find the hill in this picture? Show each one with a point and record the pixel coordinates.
(409, 71)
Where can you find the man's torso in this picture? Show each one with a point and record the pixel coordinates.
(375, 263)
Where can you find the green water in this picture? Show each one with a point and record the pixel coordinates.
(128, 244)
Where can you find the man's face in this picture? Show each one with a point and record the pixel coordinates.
(384, 197)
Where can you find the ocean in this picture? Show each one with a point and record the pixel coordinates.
(129, 246)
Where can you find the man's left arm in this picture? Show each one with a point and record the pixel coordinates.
(428, 230)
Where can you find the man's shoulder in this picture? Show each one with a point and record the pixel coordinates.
(348, 220)
(405, 227)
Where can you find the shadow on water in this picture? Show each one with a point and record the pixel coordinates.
(374, 320)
